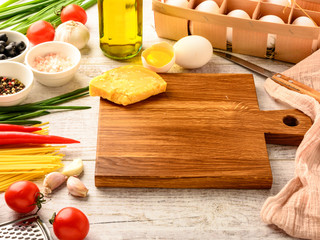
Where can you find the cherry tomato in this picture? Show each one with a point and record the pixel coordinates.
(73, 12)
(70, 224)
(22, 196)
(40, 31)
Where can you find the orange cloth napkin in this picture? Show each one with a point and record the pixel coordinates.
(296, 208)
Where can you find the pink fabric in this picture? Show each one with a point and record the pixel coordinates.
(296, 208)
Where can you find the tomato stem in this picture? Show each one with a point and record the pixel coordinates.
(51, 220)
(40, 200)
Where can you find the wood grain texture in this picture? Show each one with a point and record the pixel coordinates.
(203, 132)
(174, 214)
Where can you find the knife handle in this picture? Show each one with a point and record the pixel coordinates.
(295, 86)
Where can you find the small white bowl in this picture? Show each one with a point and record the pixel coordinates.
(54, 79)
(20, 72)
(17, 37)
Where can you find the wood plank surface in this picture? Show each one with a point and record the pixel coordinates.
(153, 213)
(205, 131)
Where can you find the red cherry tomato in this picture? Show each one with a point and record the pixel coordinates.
(70, 224)
(40, 31)
(22, 196)
(73, 12)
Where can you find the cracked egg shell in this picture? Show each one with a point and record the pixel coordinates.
(160, 57)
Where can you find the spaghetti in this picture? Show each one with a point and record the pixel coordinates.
(28, 162)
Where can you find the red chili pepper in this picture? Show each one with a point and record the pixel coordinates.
(18, 128)
(23, 137)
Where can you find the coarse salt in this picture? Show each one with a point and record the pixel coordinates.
(52, 62)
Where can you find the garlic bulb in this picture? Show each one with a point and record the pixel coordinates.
(73, 32)
(76, 187)
(52, 181)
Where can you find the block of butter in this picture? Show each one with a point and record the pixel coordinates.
(128, 84)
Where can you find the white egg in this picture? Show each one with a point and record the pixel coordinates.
(178, 3)
(192, 52)
(304, 21)
(238, 13)
(279, 2)
(271, 37)
(208, 6)
(271, 18)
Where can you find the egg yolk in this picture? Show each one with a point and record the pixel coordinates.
(159, 58)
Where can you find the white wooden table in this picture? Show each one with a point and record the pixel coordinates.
(121, 213)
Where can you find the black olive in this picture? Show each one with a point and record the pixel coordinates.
(2, 47)
(3, 43)
(13, 44)
(3, 57)
(21, 46)
(10, 50)
(3, 37)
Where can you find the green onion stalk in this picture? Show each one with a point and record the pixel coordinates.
(21, 16)
(21, 113)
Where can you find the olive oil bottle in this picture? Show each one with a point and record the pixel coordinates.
(120, 25)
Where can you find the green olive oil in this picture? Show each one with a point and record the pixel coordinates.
(120, 25)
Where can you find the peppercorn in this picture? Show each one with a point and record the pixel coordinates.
(10, 85)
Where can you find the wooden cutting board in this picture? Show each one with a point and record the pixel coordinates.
(206, 131)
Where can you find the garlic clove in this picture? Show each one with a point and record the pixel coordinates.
(73, 169)
(52, 181)
(76, 187)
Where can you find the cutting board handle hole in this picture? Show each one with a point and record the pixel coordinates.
(290, 121)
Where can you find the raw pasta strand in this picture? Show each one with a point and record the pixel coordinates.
(30, 150)
(27, 163)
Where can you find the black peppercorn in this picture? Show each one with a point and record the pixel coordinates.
(10, 85)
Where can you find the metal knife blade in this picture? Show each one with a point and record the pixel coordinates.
(277, 77)
(244, 63)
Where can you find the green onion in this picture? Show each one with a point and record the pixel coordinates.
(31, 115)
(36, 109)
(21, 122)
(68, 99)
(47, 14)
(11, 11)
(21, 5)
(7, 3)
(15, 20)
(53, 99)
(88, 4)
(9, 115)
(24, 14)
